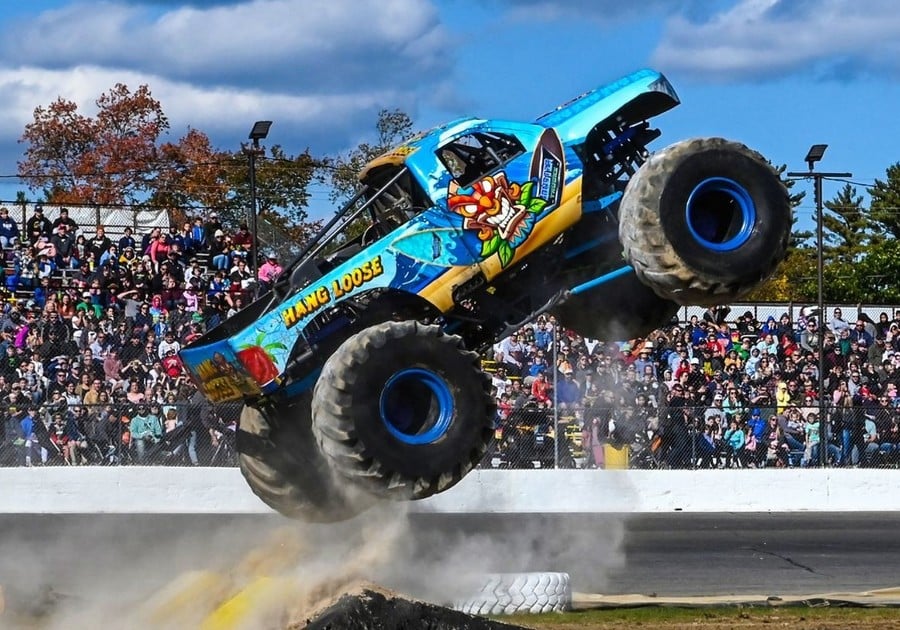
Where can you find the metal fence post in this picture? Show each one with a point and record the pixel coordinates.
(555, 396)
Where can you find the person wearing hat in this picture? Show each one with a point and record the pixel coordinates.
(127, 255)
(38, 225)
(65, 219)
(716, 407)
(645, 359)
(9, 229)
(168, 345)
(269, 271)
(759, 429)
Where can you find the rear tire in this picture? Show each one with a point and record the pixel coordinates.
(291, 476)
(705, 221)
(404, 409)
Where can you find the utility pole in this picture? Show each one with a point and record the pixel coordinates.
(814, 155)
(259, 132)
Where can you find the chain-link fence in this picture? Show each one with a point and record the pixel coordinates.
(119, 433)
(696, 437)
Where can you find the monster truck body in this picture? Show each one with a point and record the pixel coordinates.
(455, 239)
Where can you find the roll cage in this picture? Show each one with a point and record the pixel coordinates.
(389, 198)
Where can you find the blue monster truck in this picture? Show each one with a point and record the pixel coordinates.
(359, 370)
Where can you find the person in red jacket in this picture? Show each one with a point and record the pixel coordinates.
(541, 388)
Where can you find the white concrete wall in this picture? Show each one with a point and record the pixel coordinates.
(137, 490)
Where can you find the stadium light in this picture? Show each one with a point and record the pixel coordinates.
(815, 154)
(259, 132)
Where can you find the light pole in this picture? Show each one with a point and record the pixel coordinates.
(259, 132)
(814, 155)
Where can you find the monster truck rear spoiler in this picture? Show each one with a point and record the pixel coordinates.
(636, 97)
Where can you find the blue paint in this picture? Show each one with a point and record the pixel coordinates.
(711, 210)
(398, 416)
(612, 275)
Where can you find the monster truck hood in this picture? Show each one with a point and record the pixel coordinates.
(636, 97)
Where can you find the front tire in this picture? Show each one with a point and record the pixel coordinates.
(290, 475)
(705, 221)
(404, 409)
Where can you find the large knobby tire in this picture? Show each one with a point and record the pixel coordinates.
(623, 308)
(403, 409)
(705, 221)
(289, 474)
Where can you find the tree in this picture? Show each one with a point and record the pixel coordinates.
(105, 160)
(885, 204)
(191, 176)
(282, 195)
(793, 281)
(877, 273)
(118, 158)
(798, 237)
(846, 227)
(342, 173)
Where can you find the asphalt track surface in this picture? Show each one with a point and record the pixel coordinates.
(710, 554)
(674, 554)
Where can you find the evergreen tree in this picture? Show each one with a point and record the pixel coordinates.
(847, 227)
(886, 202)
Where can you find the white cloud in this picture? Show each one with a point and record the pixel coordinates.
(259, 42)
(321, 69)
(757, 39)
(327, 123)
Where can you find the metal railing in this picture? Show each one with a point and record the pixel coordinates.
(119, 433)
(694, 437)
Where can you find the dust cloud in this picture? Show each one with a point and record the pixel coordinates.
(158, 571)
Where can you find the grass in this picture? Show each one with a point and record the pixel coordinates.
(719, 618)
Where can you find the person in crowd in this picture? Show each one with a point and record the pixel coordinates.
(269, 272)
(9, 229)
(66, 220)
(38, 225)
(146, 430)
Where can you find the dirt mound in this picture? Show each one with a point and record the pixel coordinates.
(377, 609)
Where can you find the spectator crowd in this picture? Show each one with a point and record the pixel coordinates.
(91, 326)
(714, 391)
(90, 331)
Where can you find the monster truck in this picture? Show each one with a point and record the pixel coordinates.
(359, 371)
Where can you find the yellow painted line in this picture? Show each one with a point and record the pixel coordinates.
(186, 600)
(263, 597)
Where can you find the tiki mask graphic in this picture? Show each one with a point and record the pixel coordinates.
(502, 213)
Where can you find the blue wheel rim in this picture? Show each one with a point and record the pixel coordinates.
(403, 403)
(720, 214)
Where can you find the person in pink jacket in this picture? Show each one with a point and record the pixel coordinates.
(269, 271)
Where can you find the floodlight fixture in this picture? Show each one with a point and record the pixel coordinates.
(260, 130)
(814, 154)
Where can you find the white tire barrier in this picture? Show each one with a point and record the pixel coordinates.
(512, 593)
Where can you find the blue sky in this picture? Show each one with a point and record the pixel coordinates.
(778, 75)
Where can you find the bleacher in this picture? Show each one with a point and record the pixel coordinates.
(114, 221)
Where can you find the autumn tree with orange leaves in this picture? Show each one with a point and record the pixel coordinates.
(118, 157)
(111, 158)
